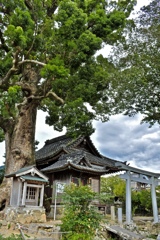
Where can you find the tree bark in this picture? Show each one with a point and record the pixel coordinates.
(19, 144)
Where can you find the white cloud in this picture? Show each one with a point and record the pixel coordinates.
(44, 131)
(125, 139)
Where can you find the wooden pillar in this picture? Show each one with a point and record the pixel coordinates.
(11, 192)
(128, 198)
(41, 196)
(37, 195)
(19, 193)
(154, 200)
(24, 193)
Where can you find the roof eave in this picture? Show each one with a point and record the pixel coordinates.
(75, 167)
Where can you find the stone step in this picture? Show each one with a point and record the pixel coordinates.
(124, 233)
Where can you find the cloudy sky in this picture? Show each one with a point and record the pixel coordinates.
(125, 139)
(122, 138)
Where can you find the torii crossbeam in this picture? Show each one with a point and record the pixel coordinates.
(152, 179)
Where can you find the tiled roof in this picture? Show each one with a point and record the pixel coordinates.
(53, 146)
(73, 160)
(65, 164)
(21, 170)
(75, 152)
(75, 157)
(65, 143)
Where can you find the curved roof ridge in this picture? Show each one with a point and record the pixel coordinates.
(56, 139)
(94, 146)
(75, 141)
(62, 148)
(67, 164)
(87, 161)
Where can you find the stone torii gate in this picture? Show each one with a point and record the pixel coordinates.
(152, 179)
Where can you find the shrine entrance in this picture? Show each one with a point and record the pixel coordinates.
(137, 175)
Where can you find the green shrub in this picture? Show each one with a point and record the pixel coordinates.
(80, 220)
(2, 170)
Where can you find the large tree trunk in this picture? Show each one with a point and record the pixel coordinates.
(19, 140)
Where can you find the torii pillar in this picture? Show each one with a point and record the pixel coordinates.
(154, 200)
(128, 198)
(152, 179)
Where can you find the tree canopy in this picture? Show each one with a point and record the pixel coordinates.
(47, 56)
(137, 58)
(111, 187)
(48, 62)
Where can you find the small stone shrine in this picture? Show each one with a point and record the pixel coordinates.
(27, 193)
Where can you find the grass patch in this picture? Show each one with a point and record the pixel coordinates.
(153, 236)
(12, 237)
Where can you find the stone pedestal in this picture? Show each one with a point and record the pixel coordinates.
(25, 215)
(113, 217)
(56, 213)
(120, 215)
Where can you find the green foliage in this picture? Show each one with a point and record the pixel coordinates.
(12, 237)
(137, 78)
(48, 54)
(78, 114)
(158, 195)
(112, 187)
(115, 186)
(2, 170)
(8, 101)
(142, 202)
(1, 135)
(80, 219)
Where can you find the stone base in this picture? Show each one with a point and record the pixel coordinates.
(25, 214)
(59, 212)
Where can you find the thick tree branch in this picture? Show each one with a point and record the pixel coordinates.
(34, 38)
(54, 95)
(12, 70)
(15, 59)
(28, 4)
(52, 8)
(15, 68)
(36, 97)
(7, 77)
(31, 61)
(6, 124)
